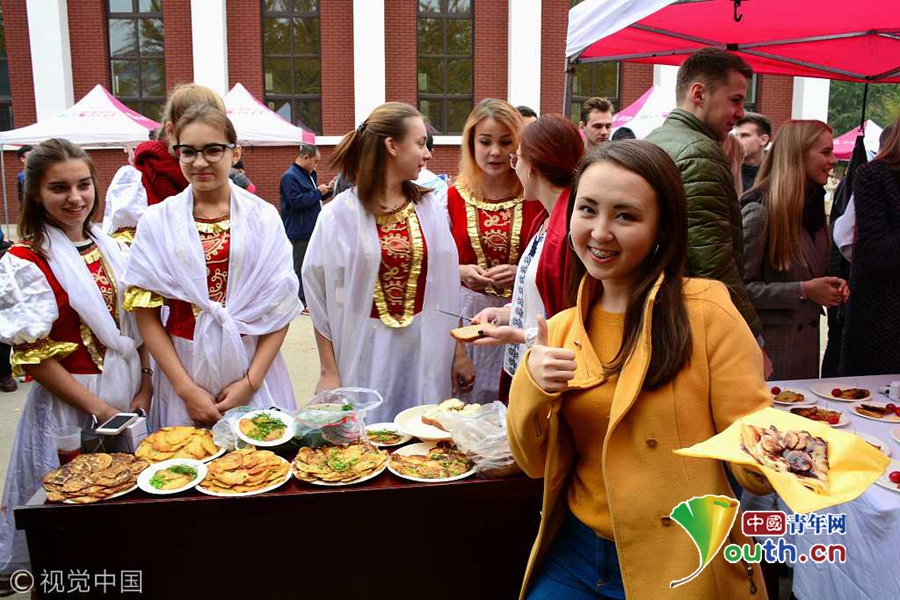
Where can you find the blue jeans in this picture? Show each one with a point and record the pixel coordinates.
(580, 565)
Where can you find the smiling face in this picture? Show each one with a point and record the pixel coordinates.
(722, 108)
(493, 144)
(614, 223)
(67, 195)
(820, 160)
(205, 176)
(410, 155)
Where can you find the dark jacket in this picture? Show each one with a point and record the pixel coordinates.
(300, 202)
(715, 228)
(872, 329)
(748, 176)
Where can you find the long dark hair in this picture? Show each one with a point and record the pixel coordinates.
(33, 217)
(362, 157)
(670, 331)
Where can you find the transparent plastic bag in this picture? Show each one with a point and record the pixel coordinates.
(483, 438)
(335, 416)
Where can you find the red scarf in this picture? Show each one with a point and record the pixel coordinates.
(161, 173)
(554, 262)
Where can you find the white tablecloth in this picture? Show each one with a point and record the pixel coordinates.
(872, 570)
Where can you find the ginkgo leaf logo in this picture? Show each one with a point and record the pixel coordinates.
(708, 521)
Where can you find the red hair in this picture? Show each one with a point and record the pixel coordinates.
(553, 147)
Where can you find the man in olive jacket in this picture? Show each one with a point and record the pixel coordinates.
(710, 92)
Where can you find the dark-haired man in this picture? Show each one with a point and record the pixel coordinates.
(754, 132)
(22, 154)
(301, 201)
(596, 122)
(528, 114)
(710, 92)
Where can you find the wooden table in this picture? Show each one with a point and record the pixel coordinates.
(386, 538)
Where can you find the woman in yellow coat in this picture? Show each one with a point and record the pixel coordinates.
(646, 363)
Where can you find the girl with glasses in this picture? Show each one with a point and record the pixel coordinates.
(62, 313)
(218, 257)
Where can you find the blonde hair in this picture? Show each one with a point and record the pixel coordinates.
(734, 152)
(782, 183)
(362, 156)
(470, 174)
(184, 97)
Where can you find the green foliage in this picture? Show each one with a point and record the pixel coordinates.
(845, 104)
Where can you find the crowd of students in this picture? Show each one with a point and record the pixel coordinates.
(632, 306)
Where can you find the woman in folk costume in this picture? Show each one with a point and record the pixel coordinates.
(61, 310)
(545, 163)
(490, 221)
(155, 173)
(218, 257)
(381, 271)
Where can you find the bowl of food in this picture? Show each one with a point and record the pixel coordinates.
(265, 428)
(172, 476)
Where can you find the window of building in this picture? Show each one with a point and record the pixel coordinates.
(446, 66)
(136, 55)
(6, 117)
(594, 79)
(751, 101)
(292, 61)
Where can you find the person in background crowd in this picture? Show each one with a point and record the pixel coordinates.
(489, 219)
(545, 163)
(754, 131)
(623, 133)
(786, 247)
(381, 272)
(301, 200)
(734, 153)
(596, 122)
(22, 155)
(218, 257)
(710, 92)
(7, 381)
(67, 325)
(528, 115)
(872, 327)
(239, 177)
(160, 173)
(591, 407)
(427, 179)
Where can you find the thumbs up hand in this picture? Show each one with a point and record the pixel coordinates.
(550, 368)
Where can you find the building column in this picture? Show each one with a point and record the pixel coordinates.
(368, 57)
(51, 57)
(524, 70)
(209, 33)
(810, 98)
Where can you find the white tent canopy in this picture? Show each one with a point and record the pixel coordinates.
(647, 112)
(97, 120)
(257, 125)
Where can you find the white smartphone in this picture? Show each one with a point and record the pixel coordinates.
(117, 424)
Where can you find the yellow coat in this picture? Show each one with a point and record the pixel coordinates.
(645, 480)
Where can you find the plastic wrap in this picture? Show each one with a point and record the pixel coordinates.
(483, 438)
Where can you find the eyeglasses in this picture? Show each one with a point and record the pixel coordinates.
(212, 153)
(513, 160)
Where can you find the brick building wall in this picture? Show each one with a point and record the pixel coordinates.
(634, 80)
(18, 53)
(244, 24)
(90, 53)
(179, 46)
(776, 94)
(336, 18)
(400, 41)
(491, 49)
(554, 23)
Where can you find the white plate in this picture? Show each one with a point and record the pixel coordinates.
(116, 495)
(410, 422)
(274, 486)
(422, 449)
(824, 390)
(276, 414)
(895, 433)
(885, 480)
(388, 427)
(808, 400)
(214, 456)
(883, 446)
(148, 473)
(886, 419)
(844, 420)
(371, 475)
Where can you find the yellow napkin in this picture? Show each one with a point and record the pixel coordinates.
(854, 464)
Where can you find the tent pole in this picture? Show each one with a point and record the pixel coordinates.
(862, 119)
(567, 94)
(5, 202)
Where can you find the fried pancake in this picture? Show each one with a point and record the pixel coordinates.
(177, 442)
(242, 471)
(93, 477)
(334, 464)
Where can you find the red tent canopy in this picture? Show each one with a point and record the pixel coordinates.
(857, 40)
